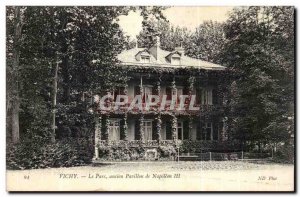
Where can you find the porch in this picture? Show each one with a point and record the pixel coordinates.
(131, 131)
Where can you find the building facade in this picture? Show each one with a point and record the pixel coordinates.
(189, 105)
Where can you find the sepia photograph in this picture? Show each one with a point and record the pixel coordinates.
(150, 98)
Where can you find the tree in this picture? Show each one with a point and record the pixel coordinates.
(207, 42)
(260, 47)
(85, 41)
(170, 36)
(204, 43)
(15, 23)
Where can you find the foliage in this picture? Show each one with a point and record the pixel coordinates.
(170, 37)
(189, 146)
(285, 154)
(158, 122)
(168, 152)
(39, 153)
(256, 42)
(260, 47)
(121, 153)
(205, 42)
(174, 127)
(84, 41)
(128, 152)
(124, 128)
(141, 128)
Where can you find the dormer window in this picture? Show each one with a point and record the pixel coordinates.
(175, 61)
(143, 56)
(174, 58)
(145, 59)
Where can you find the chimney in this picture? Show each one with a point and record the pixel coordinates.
(154, 50)
(180, 49)
(157, 41)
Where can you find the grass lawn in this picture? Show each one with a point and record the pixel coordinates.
(158, 176)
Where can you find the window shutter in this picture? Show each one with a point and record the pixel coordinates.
(168, 130)
(186, 130)
(214, 97)
(215, 129)
(169, 93)
(137, 90)
(154, 130)
(198, 96)
(154, 92)
(199, 131)
(136, 130)
(185, 91)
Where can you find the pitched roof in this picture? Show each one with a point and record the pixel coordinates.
(128, 57)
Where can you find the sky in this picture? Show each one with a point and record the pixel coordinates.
(189, 17)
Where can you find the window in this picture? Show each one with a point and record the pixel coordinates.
(180, 130)
(179, 93)
(147, 126)
(118, 91)
(114, 130)
(175, 61)
(206, 97)
(207, 133)
(198, 96)
(145, 59)
(216, 132)
(168, 132)
(169, 93)
(147, 90)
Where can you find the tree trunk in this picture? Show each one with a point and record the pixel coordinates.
(65, 61)
(65, 76)
(54, 102)
(15, 77)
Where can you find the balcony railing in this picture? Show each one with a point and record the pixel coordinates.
(136, 143)
(202, 108)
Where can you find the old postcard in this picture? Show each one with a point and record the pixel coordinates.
(150, 98)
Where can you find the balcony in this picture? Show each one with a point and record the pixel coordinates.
(136, 143)
(113, 108)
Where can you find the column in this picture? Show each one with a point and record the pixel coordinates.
(124, 130)
(190, 127)
(98, 122)
(106, 128)
(174, 92)
(158, 127)
(224, 135)
(141, 127)
(158, 88)
(126, 90)
(174, 127)
(191, 82)
(141, 87)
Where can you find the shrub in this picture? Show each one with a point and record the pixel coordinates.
(285, 154)
(125, 153)
(189, 146)
(166, 151)
(121, 153)
(39, 153)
